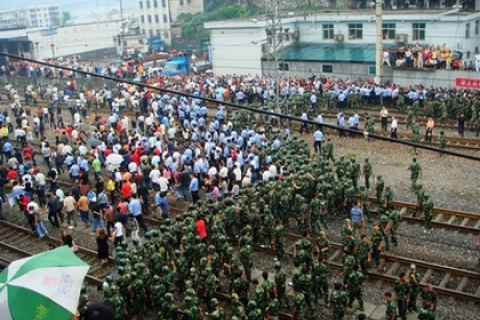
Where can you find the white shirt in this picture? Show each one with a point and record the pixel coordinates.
(394, 124)
(118, 227)
(163, 182)
(40, 179)
(132, 167)
(154, 175)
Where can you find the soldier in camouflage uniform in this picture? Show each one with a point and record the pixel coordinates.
(427, 313)
(380, 185)
(415, 138)
(323, 245)
(83, 301)
(298, 310)
(394, 223)
(384, 223)
(415, 172)
(354, 287)
(254, 313)
(391, 309)
(280, 288)
(273, 309)
(364, 253)
(320, 274)
(378, 243)
(429, 297)
(210, 287)
(410, 118)
(218, 312)
(278, 242)
(260, 295)
(191, 311)
(168, 309)
(427, 209)
(355, 172)
(246, 258)
(388, 198)
(338, 302)
(367, 172)
(364, 203)
(402, 294)
(240, 286)
(442, 142)
(414, 280)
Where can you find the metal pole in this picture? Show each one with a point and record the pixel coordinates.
(378, 43)
(121, 26)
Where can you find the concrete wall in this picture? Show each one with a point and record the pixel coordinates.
(237, 50)
(81, 83)
(74, 39)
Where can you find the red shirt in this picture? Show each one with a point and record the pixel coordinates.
(201, 228)
(135, 158)
(122, 207)
(107, 152)
(12, 174)
(126, 190)
(69, 132)
(27, 153)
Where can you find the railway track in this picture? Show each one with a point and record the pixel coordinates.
(23, 242)
(443, 218)
(458, 283)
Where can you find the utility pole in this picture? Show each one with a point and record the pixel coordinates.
(121, 26)
(378, 42)
(274, 32)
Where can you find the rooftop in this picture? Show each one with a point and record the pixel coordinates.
(335, 52)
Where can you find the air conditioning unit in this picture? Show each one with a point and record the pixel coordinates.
(266, 47)
(401, 38)
(339, 37)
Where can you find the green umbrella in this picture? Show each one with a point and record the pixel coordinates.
(45, 286)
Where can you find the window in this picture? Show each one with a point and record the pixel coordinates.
(164, 3)
(181, 2)
(157, 18)
(140, 4)
(149, 18)
(150, 32)
(477, 27)
(388, 31)
(328, 31)
(418, 31)
(158, 32)
(142, 18)
(165, 34)
(327, 68)
(468, 54)
(148, 3)
(283, 66)
(155, 3)
(165, 18)
(467, 30)
(372, 70)
(143, 31)
(355, 31)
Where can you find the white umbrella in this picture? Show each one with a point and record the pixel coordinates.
(113, 161)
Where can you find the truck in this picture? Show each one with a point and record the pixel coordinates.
(181, 65)
(156, 44)
(177, 66)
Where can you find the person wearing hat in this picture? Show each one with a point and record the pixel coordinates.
(427, 208)
(415, 172)
(414, 281)
(401, 291)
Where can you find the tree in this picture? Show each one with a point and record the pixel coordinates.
(63, 20)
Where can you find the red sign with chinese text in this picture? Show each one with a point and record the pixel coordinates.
(467, 82)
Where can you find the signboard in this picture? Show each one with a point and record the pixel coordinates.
(49, 32)
(467, 82)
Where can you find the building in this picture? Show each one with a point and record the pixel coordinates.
(59, 42)
(155, 16)
(337, 43)
(31, 16)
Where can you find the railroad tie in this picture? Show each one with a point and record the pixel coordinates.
(465, 222)
(462, 284)
(477, 293)
(452, 219)
(477, 225)
(393, 268)
(445, 279)
(426, 276)
(334, 255)
(438, 217)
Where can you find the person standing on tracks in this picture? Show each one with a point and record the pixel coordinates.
(378, 243)
(358, 218)
(429, 297)
(415, 172)
(402, 295)
(384, 115)
(338, 302)
(391, 309)
(318, 138)
(427, 209)
(461, 122)
(380, 185)
(429, 129)
(442, 142)
(414, 280)
(394, 128)
(40, 229)
(367, 172)
(304, 124)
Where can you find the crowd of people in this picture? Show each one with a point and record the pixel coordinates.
(256, 184)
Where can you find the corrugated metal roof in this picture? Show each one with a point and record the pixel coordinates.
(331, 52)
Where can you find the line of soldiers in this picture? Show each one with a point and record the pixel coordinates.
(175, 262)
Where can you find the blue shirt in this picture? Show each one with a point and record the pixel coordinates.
(194, 185)
(135, 207)
(356, 214)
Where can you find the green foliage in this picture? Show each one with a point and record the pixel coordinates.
(351, 156)
(62, 20)
(193, 23)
